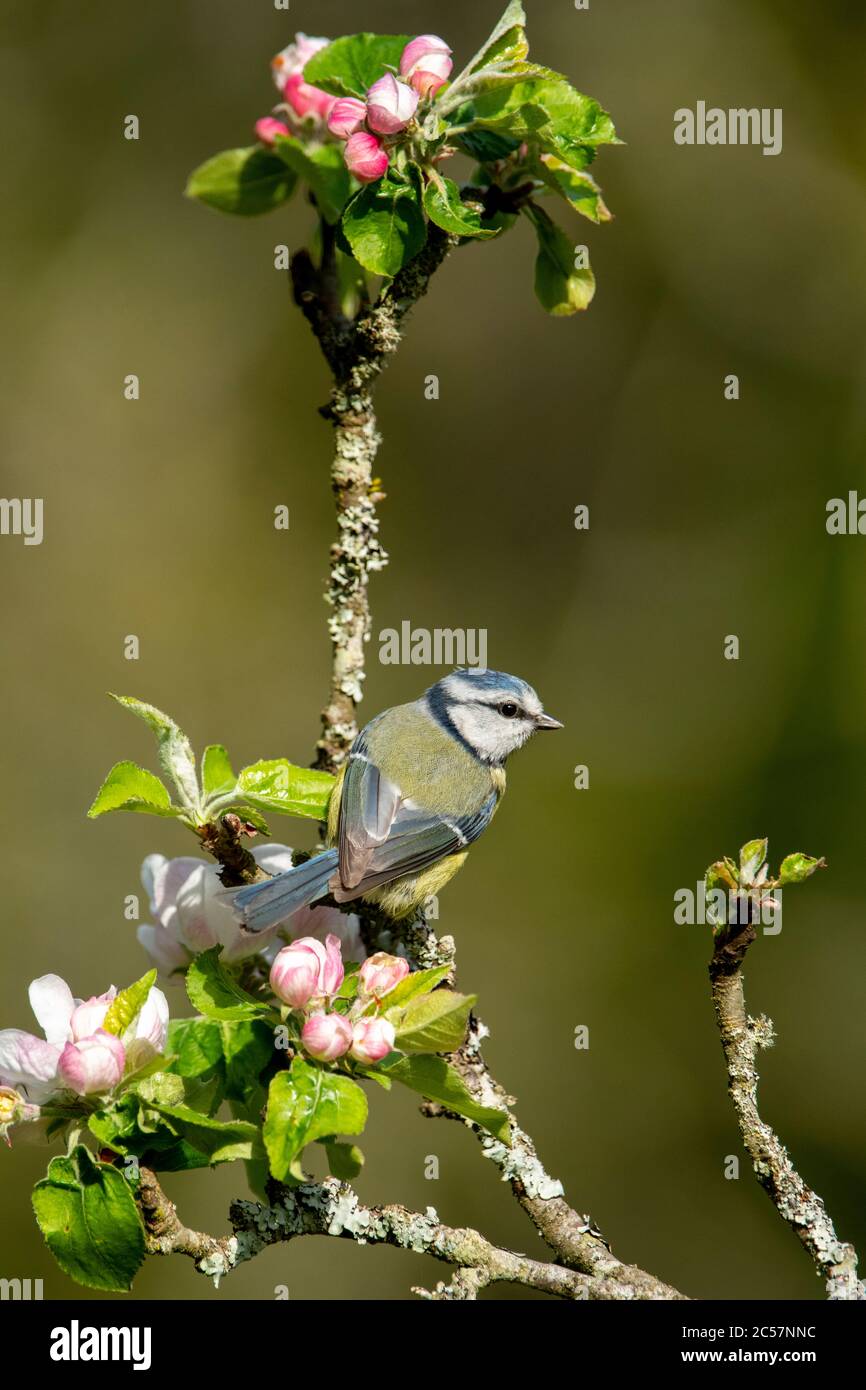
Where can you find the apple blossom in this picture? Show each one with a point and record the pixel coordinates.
(390, 105)
(347, 116)
(288, 70)
(365, 157)
(307, 970)
(193, 912)
(93, 1064)
(327, 1036)
(268, 128)
(426, 64)
(372, 1039)
(382, 972)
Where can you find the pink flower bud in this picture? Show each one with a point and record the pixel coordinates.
(382, 972)
(347, 116)
(268, 128)
(92, 1064)
(390, 105)
(327, 1036)
(307, 970)
(89, 1017)
(306, 100)
(365, 157)
(426, 64)
(372, 1039)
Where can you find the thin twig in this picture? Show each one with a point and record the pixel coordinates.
(742, 1037)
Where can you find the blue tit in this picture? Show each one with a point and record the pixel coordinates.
(421, 782)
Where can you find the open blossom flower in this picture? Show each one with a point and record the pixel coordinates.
(426, 64)
(306, 970)
(76, 1053)
(348, 115)
(93, 1064)
(390, 105)
(381, 972)
(327, 1036)
(288, 70)
(372, 1039)
(365, 157)
(193, 912)
(268, 128)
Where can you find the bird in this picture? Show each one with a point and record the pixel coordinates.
(421, 782)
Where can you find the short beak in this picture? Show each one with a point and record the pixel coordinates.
(546, 721)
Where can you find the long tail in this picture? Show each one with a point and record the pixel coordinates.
(262, 905)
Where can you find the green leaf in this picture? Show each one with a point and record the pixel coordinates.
(90, 1222)
(507, 42)
(246, 182)
(561, 288)
(217, 777)
(419, 982)
(550, 111)
(444, 206)
(323, 168)
(434, 1078)
(384, 226)
(277, 785)
(579, 190)
(752, 856)
(128, 1004)
(197, 1046)
(344, 1160)
(248, 1050)
(215, 993)
(309, 1103)
(222, 1141)
(487, 146)
(434, 1022)
(796, 868)
(175, 750)
(129, 787)
(349, 66)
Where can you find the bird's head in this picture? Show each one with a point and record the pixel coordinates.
(493, 713)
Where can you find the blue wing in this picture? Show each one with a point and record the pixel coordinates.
(383, 837)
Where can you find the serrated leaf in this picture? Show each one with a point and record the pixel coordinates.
(434, 1022)
(561, 287)
(418, 982)
(217, 777)
(345, 1161)
(507, 41)
(752, 856)
(214, 991)
(323, 168)
(175, 750)
(221, 1141)
(434, 1078)
(277, 785)
(87, 1214)
(309, 1103)
(129, 787)
(128, 1004)
(245, 182)
(349, 66)
(384, 226)
(197, 1046)
(248, 1050)
(444, 206)
(796, 868)
(579, 190)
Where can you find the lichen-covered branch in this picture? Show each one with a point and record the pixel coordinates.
(356, 351)
(333, 1208)
(742, 1037)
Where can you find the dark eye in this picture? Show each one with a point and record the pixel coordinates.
(509, 710)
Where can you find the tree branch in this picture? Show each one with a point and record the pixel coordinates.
(332, 1208)
(742, 1037)
(356, 350)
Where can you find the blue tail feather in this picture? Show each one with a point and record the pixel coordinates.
(262, 905)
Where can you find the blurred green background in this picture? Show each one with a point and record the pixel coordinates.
(707, 518)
